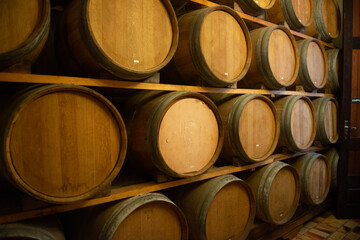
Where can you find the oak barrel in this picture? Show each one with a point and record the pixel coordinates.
(326, 109)
(214, 45)
(333, 69)
(243, 117)
(332, 157)
(297, 14)
(297, 122)
(220, 208)
(327, 20)
(150, 216)
(45, 228)
(315, 177)
(275, 58)
(177, 133)
(61, 143)
(128, 39)
(277, 191)
(313, 71)
(23, 42)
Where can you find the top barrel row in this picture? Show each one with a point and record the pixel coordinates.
(132, 40)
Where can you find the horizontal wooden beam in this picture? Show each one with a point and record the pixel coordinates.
(91, 82)
(122, 192)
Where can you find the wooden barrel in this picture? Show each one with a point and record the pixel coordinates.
(297, 14)
(313, 71)
(177, 133)
(332, 157)
(333, 69)
(277, 191)
(128, 39)
(214, 45)
(275, 58)
(45, 228)
(220, 208)
(315, 177)
(23, 42)
(243, 117)
(61, 143)
(297, 122)
(327, 20)
(326, 109)
(147, 216)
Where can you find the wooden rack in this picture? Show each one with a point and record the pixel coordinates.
(121, 192)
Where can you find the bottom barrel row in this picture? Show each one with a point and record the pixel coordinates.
(220, 208)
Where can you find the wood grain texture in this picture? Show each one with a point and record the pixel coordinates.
(22, 42)
(315, 177)
(62, 143)
(277, 190)
(214, 46)
(129, 39)
(355, 90)
(224, 45)
(302, 127)
(313, 73)
(220, 208)
(147, 216)
(333, 70)
(178, 133)
(91, 82)
(258, 20)
(121, 192)
(326, 115)
(282, 57)
(327, 20)
(332, 157)
(297, 122)
(188, 136)
(298, 14)
(243, 117)
(276, 60)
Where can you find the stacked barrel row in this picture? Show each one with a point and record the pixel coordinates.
(179, 134)
(63, 143)
(210, 46)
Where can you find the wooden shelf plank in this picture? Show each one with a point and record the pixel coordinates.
(259, 21)
(118, 193)
(91, 82)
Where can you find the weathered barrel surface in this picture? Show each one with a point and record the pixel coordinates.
(277, 190)
(45, 228)
(177, 133)
(315, 177)
(275, 58)
(333, 69)
(297, 14)
(146, 216)
(332, 157)
(297, 122)
(251, 128)
(214, 45)
(23, 42)
(326, 109)
(61, 143)
(327, 20)
(128, 39)
(220, 208)
(313, 71)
